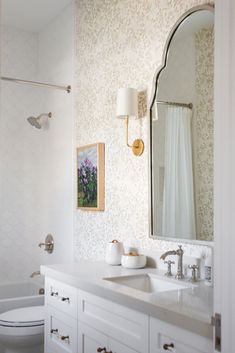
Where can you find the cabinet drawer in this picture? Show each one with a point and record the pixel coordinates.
(162, 333)
(114, 320)
(60, 332)
(118, 347)
(61, 297)
(90, 340)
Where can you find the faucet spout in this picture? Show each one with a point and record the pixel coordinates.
(167, 253)
(36, 273)
(179, 252)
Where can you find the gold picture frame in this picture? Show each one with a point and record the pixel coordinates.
(90, 177)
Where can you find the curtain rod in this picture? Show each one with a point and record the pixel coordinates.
(187, 105)
(34, 83)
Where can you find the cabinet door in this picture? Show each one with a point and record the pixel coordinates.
(60, 332)
(165, 337)
(117, 347)
(90, 340)
(114, 320)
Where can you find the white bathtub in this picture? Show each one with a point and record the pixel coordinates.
(20, 294)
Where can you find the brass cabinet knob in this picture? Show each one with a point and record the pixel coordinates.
(100, 349)
(64, 299)
(63, 338)
(55, 331)
(54, 294)
(168, 346)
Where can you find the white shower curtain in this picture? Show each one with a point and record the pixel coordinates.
(178, 196)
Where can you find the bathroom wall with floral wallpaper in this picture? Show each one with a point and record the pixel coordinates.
(204, 131)
(118, 43)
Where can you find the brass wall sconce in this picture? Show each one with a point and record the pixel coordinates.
(127, 106)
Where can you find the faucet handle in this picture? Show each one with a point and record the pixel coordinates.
(169, 263)
(48, 244)
(194, 268)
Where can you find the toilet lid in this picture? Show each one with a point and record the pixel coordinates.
(23, 317)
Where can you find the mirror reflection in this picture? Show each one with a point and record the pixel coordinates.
(181, 127)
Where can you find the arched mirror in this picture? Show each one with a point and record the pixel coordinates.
(181, 132)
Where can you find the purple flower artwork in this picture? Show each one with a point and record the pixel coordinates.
(88, 176)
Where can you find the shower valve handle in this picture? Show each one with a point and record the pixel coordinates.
(48, 245)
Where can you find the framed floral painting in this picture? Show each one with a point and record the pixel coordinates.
(90, 177)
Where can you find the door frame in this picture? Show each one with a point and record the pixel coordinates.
(224, 180)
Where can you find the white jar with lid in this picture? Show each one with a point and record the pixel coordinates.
(114, 252)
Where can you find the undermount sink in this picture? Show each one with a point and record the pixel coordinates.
(149, 283)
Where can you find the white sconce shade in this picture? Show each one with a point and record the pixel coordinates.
(127, 106)
(127, 102)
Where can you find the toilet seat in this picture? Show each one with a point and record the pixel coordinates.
(23, 317)
(12, 331)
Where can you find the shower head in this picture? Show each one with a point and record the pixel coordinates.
(36, 122)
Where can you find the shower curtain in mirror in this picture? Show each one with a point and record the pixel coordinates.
(178, 195)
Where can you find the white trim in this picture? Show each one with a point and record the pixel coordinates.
(184, 241)
(225, 169)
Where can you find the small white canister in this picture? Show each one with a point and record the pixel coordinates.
(114, 253)
(133, 260)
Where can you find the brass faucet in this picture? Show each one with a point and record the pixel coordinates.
(179, 252)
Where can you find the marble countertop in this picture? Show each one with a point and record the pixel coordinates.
(189, 308)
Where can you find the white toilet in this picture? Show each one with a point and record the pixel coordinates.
(22, 330)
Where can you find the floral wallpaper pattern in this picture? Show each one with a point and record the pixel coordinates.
(204, 44)
(118, 43)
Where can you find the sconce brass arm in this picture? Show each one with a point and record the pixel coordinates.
(138, 145)
(127, 129)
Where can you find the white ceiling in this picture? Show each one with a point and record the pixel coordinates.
(31, 15)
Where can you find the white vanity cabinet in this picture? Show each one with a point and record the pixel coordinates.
(61, 317)
(165, 337)
(81, 322)
(90, 340)
(60, 332)
(126, 330)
